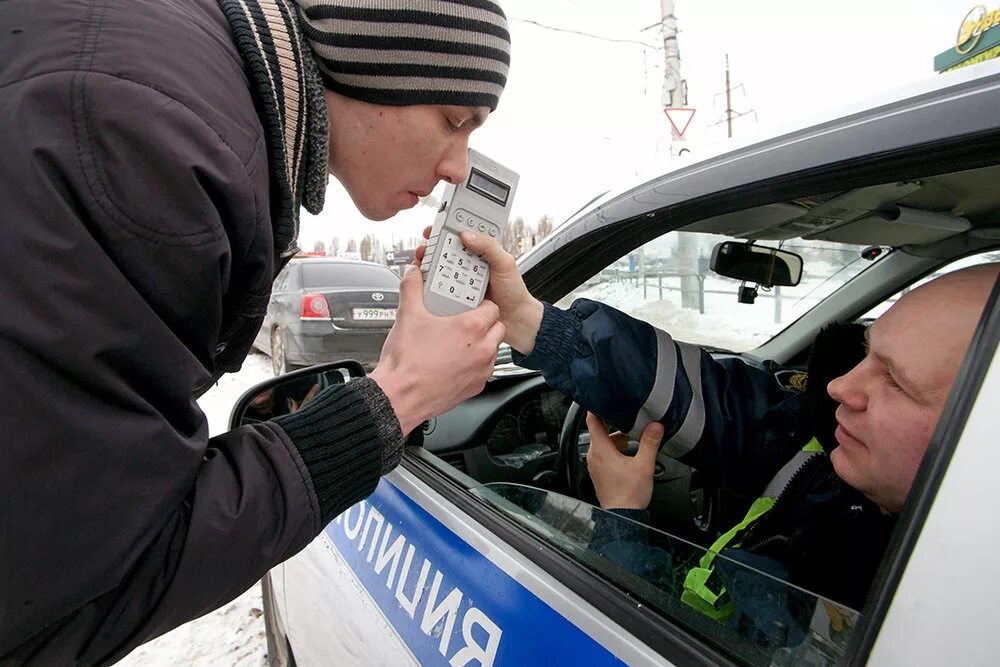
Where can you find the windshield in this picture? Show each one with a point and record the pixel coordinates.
(771, 622)
(668, 283)
(331, 275)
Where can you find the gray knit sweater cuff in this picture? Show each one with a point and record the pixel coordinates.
(386, 423)
(348, 436)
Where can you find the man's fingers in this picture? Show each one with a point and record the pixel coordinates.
(495, 335)
(427, 232)
(418, 254)
(486, 314)
(649, 443)
(486, 248)
(411, 290)
(599, 439)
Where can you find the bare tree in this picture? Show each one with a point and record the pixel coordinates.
(519, 231)
(367, 244)
(334, 249)
(509, 242)
(544, 227)
(319, 247)
(352, 245)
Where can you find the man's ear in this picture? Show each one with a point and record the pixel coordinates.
(837, 349)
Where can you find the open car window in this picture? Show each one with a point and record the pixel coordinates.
(768, 621)
(668, 283)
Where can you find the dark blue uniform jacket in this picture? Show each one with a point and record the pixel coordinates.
(734, 420)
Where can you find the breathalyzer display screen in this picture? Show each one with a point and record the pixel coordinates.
(488, 187)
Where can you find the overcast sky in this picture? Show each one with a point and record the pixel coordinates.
(582, 114)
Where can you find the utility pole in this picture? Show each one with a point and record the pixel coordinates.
(675, 95)
(729, 102)
(674, 86)
(731, 113)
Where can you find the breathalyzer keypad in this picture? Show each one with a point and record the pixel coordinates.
(459, 273)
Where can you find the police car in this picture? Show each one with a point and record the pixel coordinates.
(476, 550)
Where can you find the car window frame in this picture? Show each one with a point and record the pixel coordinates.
(552, 279)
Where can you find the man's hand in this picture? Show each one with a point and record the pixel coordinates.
(430, 364)
(520, 312)
(622, 482)
(295, 405)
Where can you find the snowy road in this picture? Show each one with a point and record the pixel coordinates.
(234, 634)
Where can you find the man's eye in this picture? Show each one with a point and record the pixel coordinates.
(891, 381)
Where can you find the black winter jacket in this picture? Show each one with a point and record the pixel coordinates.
(139, 210)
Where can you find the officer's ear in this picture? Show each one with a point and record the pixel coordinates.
(837, 349)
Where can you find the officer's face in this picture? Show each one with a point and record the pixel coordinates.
(388, 156)
(891, 401)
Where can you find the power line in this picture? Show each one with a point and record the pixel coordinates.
(587, 34)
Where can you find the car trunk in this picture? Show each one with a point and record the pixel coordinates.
(361, 308)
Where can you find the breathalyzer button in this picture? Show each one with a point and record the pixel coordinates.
(460, 216)
(493, 231)
(482, 226)
(472, 222)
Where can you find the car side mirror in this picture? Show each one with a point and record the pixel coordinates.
(287, 393)
(767, 267)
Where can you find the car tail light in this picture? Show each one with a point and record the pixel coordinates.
(314, 307)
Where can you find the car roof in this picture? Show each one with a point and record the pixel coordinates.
(959, 104)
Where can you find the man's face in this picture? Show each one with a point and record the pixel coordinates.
(388, 156)
(890, 402)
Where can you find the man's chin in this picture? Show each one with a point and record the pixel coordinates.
(845, 465)
(378, 214)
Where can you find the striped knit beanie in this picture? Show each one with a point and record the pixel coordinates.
(401, 52)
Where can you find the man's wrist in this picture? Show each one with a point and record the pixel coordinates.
(399, 391)
(522, 327)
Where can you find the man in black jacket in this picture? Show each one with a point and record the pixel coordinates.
(155, 156)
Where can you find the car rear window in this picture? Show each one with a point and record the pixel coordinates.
(347, 275)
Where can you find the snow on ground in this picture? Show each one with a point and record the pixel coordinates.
(233, 635)
(725, 323)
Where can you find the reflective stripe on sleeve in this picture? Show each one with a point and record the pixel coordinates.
(689, 433)
(662, 393)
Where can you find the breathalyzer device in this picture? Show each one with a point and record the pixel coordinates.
(455, 278)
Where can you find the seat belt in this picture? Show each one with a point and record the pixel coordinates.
(698, 593)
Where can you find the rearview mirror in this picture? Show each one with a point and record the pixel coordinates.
(287, 393)
(767, 267)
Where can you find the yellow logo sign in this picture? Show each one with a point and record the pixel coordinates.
(975, 23)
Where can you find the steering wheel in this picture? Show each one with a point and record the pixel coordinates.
(568, 461)
(704, 496)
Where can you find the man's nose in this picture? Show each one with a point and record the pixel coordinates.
(454, 165)
(848, 391)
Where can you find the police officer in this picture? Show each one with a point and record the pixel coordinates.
(829, 468)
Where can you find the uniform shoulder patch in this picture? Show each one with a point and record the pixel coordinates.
(792, 380)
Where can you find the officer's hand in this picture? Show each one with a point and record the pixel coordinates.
(295, 405)
(622, 481)
(430, 364)
(520, 312)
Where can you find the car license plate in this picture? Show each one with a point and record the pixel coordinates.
(388, 314)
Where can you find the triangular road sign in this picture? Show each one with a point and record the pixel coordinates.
(679, 118)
